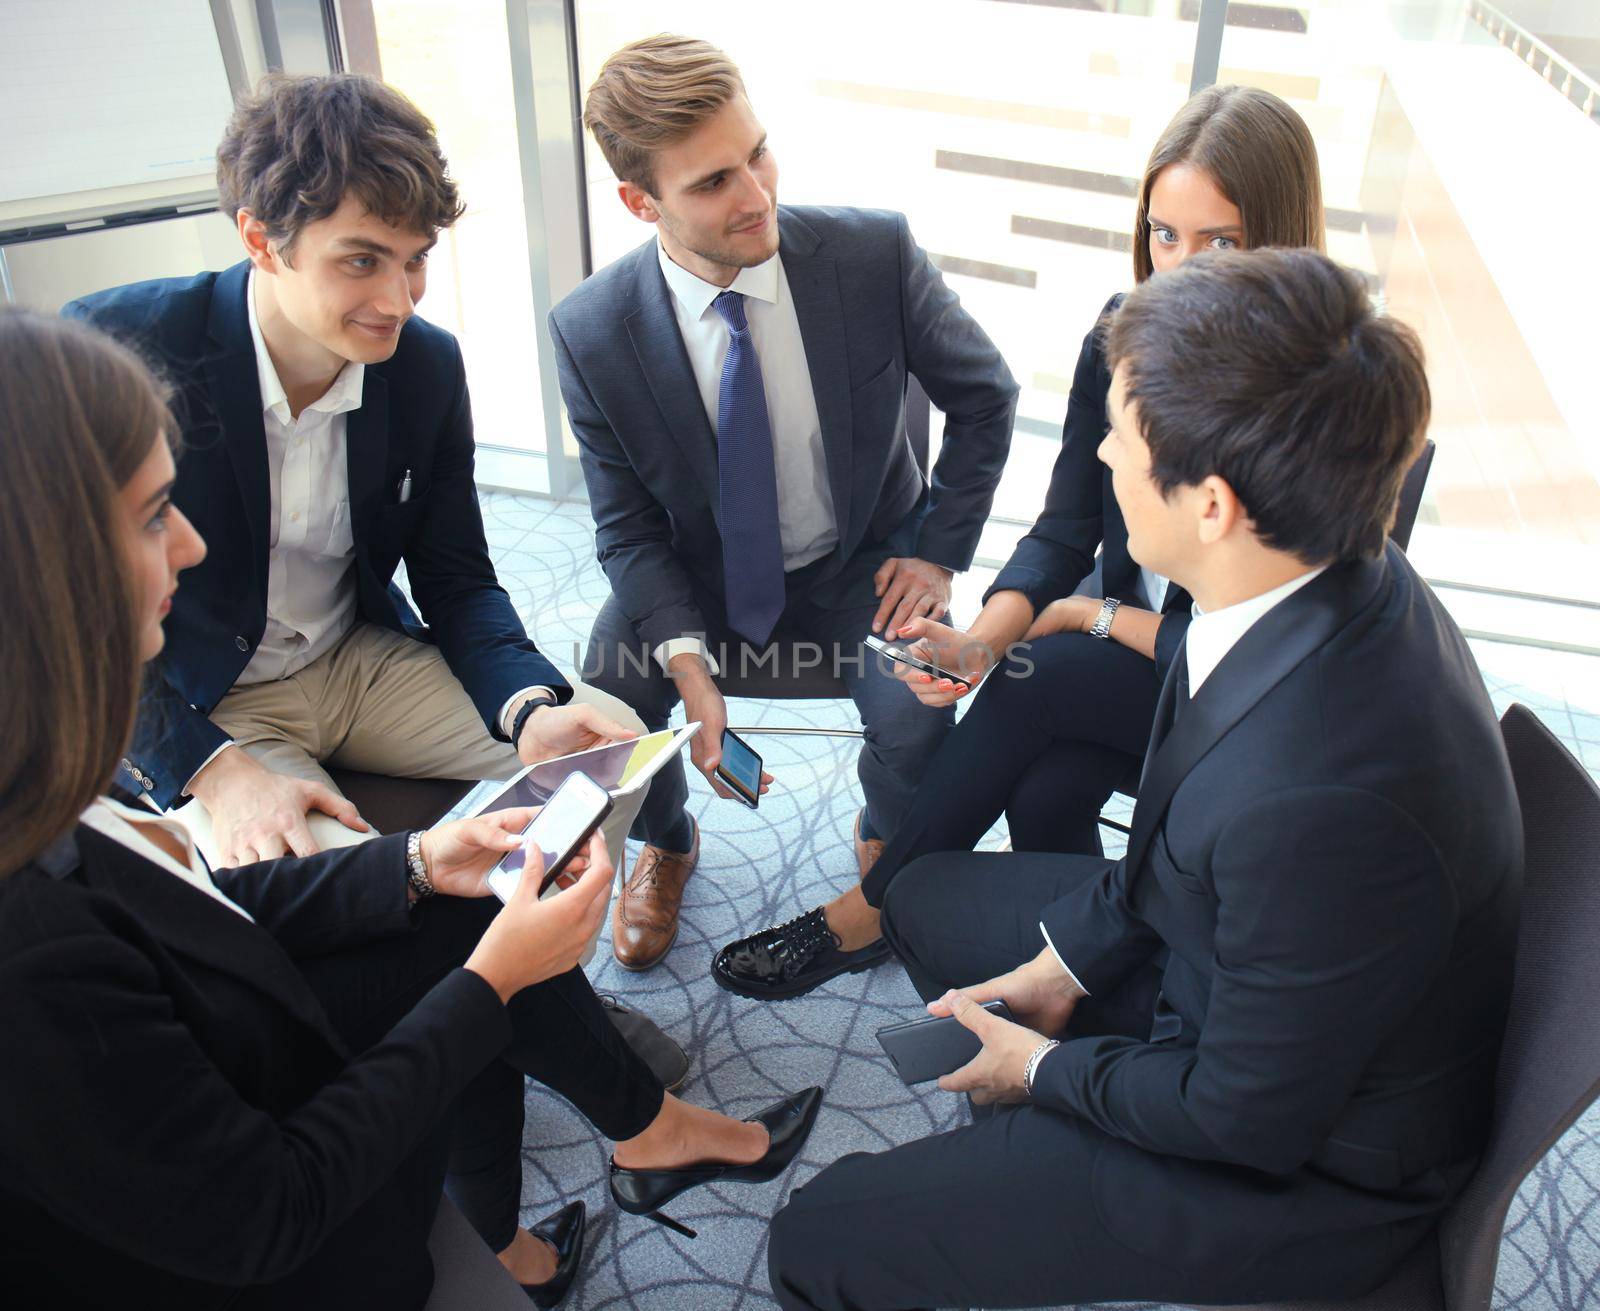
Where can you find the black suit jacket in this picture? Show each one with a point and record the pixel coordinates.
(177, 1118)
(1081, 514)
(414, 416)
(1326, 857)
(872, 309)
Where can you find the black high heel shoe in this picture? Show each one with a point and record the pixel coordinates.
(788, 1125)
(564, 1232)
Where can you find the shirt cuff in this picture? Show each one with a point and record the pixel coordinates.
(187, 786)
(505, 717)
(685, 646)
(1076, 982)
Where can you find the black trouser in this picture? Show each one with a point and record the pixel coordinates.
(1050, 735)
(561, 1038)
(1032, 1207)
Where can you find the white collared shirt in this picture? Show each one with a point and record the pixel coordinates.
(1212, 635)
(806, 525)
(127, 826)
(311, 591)
(1209, 639)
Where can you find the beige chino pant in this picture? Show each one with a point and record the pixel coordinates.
(382, 703)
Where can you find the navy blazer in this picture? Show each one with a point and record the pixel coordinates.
(179, 1119)
(414, 416)
(1325, 861)
(872, 309)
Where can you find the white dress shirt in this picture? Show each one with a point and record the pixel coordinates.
(1155, 587)
(806, 525)
(128, 827)
(311, 591)
(1209, 639)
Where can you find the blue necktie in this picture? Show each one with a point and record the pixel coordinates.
(752, 552)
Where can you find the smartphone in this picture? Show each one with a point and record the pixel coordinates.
(921, 1050)
(740, 769)
(560, 830)
(903, 654)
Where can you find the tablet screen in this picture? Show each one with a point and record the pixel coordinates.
(612, 767)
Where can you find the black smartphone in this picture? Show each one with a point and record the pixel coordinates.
(740, 769)
(560, 830)
(903, 654)
(939, 1044)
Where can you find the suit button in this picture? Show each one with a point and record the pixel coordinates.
(147, 784)
(241, 644)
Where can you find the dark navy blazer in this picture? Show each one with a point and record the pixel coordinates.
(414, 416)
(872, 309)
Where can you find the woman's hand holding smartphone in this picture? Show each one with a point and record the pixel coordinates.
(532, 940)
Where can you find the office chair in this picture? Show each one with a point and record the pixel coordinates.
(1549, 1071)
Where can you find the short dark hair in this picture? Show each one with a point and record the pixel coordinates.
(1273, 371)
(297, 146)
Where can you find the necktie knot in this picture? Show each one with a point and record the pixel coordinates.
(730, 304)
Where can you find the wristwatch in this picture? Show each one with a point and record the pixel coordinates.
(1102, 623)
(526, 713)
(417, 868)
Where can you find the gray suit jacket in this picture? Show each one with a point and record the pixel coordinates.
(872, 309)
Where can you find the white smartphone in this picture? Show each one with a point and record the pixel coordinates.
(903, 654)
(560, 829)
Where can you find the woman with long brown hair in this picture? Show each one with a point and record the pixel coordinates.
(247, 1088)
(1064, 722)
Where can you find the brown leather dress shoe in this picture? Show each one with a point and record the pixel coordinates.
(644, 921)
(867, 849)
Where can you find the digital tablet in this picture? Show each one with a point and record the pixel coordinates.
(619, 767)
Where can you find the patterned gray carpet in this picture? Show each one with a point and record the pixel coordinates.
(759, 867)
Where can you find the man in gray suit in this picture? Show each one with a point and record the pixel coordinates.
(741, 419)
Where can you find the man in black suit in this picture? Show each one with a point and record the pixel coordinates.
(1253, 1060)
(327, 438)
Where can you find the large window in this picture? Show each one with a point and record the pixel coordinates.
(456, 66)
(1460, 147)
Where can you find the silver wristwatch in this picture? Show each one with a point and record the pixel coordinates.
(1102, 623)
(421, 884)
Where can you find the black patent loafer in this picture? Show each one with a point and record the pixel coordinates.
(791, 959)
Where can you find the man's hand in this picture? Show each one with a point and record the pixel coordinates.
(949, 648)
(562, 730)
(703, 701)
(909, 588)
(459, 855)
(995, 1073)
(259, 815)
(1039, 993)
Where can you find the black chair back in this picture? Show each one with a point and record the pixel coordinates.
(1410, 502)
(1550, 1065)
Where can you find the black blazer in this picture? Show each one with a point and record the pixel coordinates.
(1081, 514)
(178, 1121)
(414, 415)
(872, 309)
(1325, 860)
